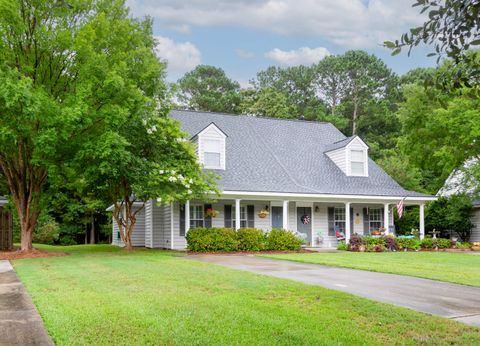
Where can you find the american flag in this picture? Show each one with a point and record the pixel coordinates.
(400, 206)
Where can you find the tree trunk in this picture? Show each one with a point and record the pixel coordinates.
(125, 216)
(26, 239)
(92, 229)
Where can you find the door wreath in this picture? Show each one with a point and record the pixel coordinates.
(305, 219)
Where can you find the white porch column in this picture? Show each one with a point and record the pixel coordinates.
(187, 217)
(285, 215)
(386, 222)
(422, 221)
(237, 214)
(347, 222)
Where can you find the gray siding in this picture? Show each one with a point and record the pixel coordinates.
(338, 156)
(179, 241)
(161, 226)
(148, 224)
(138, 234)
(292, 216)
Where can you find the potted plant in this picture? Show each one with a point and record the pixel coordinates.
(210, 212)
(263, 213)
(476, 246)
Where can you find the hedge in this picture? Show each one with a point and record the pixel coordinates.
(391, 243)
(245, 239)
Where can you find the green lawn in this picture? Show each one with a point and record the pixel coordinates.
(102, 295)
(459, 268)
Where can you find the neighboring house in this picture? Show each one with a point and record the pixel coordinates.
(460, 181)
(309, 177)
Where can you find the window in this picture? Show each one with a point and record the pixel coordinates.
(339, 219)
(196, 216)
(243, 216)
(212, 153)
(374, 219)
(357, 162)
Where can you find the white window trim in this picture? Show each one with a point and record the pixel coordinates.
(344, 221)
(192, 206)
(348, 155)
(370, 221)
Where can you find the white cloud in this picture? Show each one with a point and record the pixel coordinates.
(244, 54)
(302, 56)
(347, 23)
(181, 57)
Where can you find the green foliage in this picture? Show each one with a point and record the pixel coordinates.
(343, 246)
(250, 239)
(450, 214)
(266, 102)
(452, 27)
(211, 239)
(432, 243)
(463, 245)
(372, 241)
(47, 233)
(207, 88)
(281, 239)
(412, 244)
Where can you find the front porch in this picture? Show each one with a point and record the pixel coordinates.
(316, 218)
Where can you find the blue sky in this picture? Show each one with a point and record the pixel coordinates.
(246, 36)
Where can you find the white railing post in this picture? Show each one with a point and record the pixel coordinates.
(285, 215)
(422, 221)
(187, 217)
(237, 214)
(386, 221)
(347, 222)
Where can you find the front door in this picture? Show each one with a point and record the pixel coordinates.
(304, 222)
(277, 217)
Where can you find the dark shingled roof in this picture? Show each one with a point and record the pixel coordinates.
(339, 144)
(276, 155)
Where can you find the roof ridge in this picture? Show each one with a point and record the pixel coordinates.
(255, 117)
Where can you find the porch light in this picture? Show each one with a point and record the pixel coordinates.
(317, 209)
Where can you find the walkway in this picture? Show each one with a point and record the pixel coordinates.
(458, 302)
(20, 323)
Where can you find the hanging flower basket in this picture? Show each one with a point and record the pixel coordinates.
(210, 212)
(263, 213)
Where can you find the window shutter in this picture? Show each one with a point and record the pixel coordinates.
(351, 220)
(182, 220)
(382, 218)
(366, 222)
(228, 216)
(250, 216)
(208, 220)
(331, 221)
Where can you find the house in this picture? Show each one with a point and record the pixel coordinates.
(299, 175)
(460, 181)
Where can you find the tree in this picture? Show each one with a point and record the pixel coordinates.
(145, 157)
(65, 69)
(368, 81)
(331, 80)
(297, 83)
(266, 102)
(452, 27)
(207, 88)
(450, 214)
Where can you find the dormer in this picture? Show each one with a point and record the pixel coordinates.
(350, 155)
(211, 147)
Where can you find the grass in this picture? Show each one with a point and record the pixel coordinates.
(460, 268)
(102, 295)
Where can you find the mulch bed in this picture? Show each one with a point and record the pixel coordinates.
(17, 254)
(247, 252)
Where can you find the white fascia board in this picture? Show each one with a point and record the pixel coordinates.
(325, 197)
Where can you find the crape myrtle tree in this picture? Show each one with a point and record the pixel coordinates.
(71, 72)
(146, 157)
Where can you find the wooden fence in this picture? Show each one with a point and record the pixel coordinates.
(6, 230)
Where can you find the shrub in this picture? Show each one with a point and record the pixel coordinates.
(343, 246)
(372, 241)
(391, 243)
(464, 245)
(280, 239)
(250, 239)
(356, 243)
(211, 239)
(443, 243)
(379, 248)
(408, 243)
(427, 243)
(47, 232)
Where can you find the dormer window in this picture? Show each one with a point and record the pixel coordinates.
(350, 155)
(357, 162)
(212, 153)
(211, 147)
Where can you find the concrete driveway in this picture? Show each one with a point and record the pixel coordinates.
(20, 323)
(458, 302)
